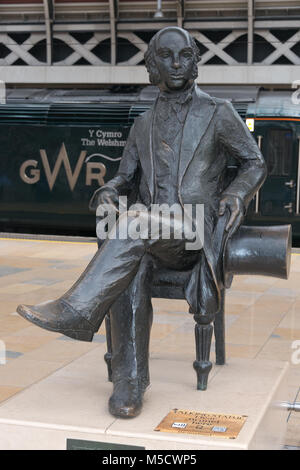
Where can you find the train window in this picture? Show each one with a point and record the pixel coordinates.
(279, 152)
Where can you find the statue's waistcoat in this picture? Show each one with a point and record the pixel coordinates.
(168, 120)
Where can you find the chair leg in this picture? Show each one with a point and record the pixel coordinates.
(108, 355)
(219, 330)
(203, 336)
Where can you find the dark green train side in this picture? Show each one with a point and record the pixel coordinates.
(58, 146)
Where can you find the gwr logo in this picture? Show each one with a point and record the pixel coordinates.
(30, 173)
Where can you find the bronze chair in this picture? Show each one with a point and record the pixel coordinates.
(253, 250)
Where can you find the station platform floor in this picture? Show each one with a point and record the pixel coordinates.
(262, 319)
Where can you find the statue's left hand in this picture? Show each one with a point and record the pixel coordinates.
(236, 208)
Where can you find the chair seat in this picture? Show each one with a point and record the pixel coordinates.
(169, 283)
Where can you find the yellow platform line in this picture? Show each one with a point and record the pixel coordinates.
(47, 241)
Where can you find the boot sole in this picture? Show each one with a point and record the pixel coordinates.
(124, 412)
(80, 335)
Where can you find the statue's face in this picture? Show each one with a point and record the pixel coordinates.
(174, 59)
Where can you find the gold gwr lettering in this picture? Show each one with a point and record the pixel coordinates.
(95, 175)
(62, 159)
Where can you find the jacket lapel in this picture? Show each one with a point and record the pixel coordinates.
(145, 146)
(196, 123)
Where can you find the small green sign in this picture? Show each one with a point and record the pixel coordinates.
(79, 444)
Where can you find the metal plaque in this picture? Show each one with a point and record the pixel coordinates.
(204, 424)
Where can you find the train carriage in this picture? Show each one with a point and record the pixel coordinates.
(276, 117)
(58, 146)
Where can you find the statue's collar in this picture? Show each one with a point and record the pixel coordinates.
(181, 96)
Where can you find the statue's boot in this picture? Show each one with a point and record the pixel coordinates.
(80, 311)
(127, 399)
(60, 317)
(131, 319)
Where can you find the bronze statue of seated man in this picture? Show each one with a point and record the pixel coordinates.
(177, 153)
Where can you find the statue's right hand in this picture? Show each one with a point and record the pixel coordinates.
(104, 195)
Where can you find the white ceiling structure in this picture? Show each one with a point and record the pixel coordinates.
(103, 41)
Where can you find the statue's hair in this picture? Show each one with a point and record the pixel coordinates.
(151, 66)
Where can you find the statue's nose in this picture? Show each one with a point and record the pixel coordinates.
(176, 63)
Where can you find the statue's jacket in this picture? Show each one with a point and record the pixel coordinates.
(213, 133)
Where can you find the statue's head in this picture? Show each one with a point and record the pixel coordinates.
(172, 58)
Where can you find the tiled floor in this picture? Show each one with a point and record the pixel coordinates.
(262, 319)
